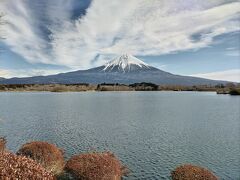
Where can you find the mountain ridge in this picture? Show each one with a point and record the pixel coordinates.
(124, 69)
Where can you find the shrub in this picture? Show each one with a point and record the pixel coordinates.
(191, 172)
(3, 142)
(95, 166)
(234, 92)
(19, 167)
(48, 155)
(58, 89)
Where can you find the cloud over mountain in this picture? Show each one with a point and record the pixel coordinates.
(83, 35)
(228, 75)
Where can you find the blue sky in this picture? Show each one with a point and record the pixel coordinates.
(187, 37)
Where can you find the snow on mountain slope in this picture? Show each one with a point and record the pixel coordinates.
(125, 63)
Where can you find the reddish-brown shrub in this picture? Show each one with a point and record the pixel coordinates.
(19, 167)
(48, 155)
(95, 166)
(191, 172)
(2, 144)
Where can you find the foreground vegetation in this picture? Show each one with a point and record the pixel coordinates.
(191, 172)
(232, 89)
(48, 155)
(43, 161)
(20, 167)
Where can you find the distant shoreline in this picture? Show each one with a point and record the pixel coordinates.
(230, 88)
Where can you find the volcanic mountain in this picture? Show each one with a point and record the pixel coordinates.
(124, 69)
(126, 63)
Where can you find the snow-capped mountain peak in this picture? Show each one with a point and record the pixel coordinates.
(125, 63)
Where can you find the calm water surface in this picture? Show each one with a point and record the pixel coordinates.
(151, 132)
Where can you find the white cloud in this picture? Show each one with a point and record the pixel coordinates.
(139, 27)
(233, 51)
(20, 32)
(228, 75)
(10, 73)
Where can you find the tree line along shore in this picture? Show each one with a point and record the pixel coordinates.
(230, 88)
(44, 161)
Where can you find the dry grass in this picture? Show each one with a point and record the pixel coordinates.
(48, 87)
(3, 142)
(48, 155)
(95, 166)
(19, 167)
(191, 172)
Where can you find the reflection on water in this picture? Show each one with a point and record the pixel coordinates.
(151, 132)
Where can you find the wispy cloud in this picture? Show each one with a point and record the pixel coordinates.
(229, 75)
(139, 27)
(10, 73)
(233, 51)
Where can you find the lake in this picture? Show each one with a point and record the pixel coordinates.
(151, 132)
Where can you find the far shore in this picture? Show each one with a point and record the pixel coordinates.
(232, 89)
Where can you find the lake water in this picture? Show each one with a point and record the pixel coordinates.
(151, 132)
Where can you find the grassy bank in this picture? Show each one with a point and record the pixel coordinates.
(232, 89)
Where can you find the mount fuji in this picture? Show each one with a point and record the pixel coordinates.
(125, 63)
(124, 69)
